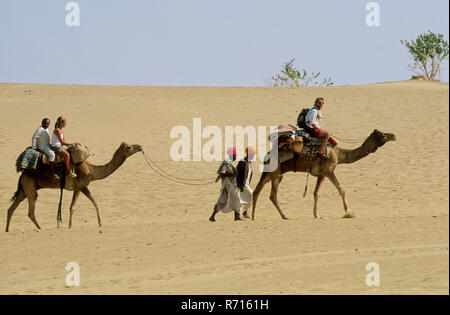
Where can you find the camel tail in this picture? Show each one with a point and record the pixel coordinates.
(19, 189)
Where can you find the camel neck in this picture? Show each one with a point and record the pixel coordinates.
(103, 171)
(346, 156)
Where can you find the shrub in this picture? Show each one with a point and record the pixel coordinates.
(291, 77)
(428, 51)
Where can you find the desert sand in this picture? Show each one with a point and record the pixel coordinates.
(157, 238)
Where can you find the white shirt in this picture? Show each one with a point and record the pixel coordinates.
(249, 175)
(55, 140)
(41, 138)
(313, 117)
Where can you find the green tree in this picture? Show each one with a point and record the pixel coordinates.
(428, 52)
(292, 77)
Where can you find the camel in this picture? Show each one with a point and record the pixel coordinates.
(29, 183)
(321, 168)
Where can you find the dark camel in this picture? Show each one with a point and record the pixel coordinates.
(321, 168)
(29, 184)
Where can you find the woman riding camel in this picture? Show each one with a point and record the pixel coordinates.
(312, 125)
(58, 142)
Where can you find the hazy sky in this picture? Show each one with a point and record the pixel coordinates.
(210, 42)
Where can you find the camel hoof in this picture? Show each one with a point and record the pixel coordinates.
(349, 215)
(212, 219)
(318, 218)
(284, 218)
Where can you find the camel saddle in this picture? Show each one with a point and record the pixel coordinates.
(31, 159)
(44, 159)
(311, 145)
(78, 153)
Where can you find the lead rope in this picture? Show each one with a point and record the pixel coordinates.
(158, 170)
(352, 141)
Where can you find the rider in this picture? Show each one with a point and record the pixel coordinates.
(312, 125)
(41, 142)
(58, 141)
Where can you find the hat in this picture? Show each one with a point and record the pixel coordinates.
(231, 151)
(251, 150)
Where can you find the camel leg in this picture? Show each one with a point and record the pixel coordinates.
(332, 177)
(265, 178)
(319, 183)
(273, 195)
(20, 197)
(88, 194)
(76, 194)
(31, 207)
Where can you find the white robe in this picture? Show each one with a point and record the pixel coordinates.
(229, 198)
(246, 196)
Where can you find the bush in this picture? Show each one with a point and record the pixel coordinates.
(291, 77)
(428, 51)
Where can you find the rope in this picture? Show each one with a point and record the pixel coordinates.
(346, 140)
(158, 170)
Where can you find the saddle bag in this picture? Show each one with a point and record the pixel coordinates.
(79, 153)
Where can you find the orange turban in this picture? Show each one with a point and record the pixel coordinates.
(251, 150)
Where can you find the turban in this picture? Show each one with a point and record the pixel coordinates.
(231, 151)
(251, 150)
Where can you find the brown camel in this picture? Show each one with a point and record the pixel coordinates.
(321, 168)
(29, 184)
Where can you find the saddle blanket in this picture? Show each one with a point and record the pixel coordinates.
(283, 134)
(27, 160)
(311, 145)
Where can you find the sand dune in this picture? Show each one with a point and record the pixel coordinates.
(157, 238)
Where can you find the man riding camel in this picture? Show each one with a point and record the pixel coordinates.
(41, 142)
(312, 125)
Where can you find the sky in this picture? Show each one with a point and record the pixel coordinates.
(210, 42)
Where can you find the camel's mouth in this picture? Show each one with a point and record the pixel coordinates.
(390, 137)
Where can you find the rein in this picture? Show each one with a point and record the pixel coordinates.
(180, 180)
(346, 140)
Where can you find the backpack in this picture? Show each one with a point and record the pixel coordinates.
(301, 120)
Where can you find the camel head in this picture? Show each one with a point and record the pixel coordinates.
(127, 150)
(381, 138)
